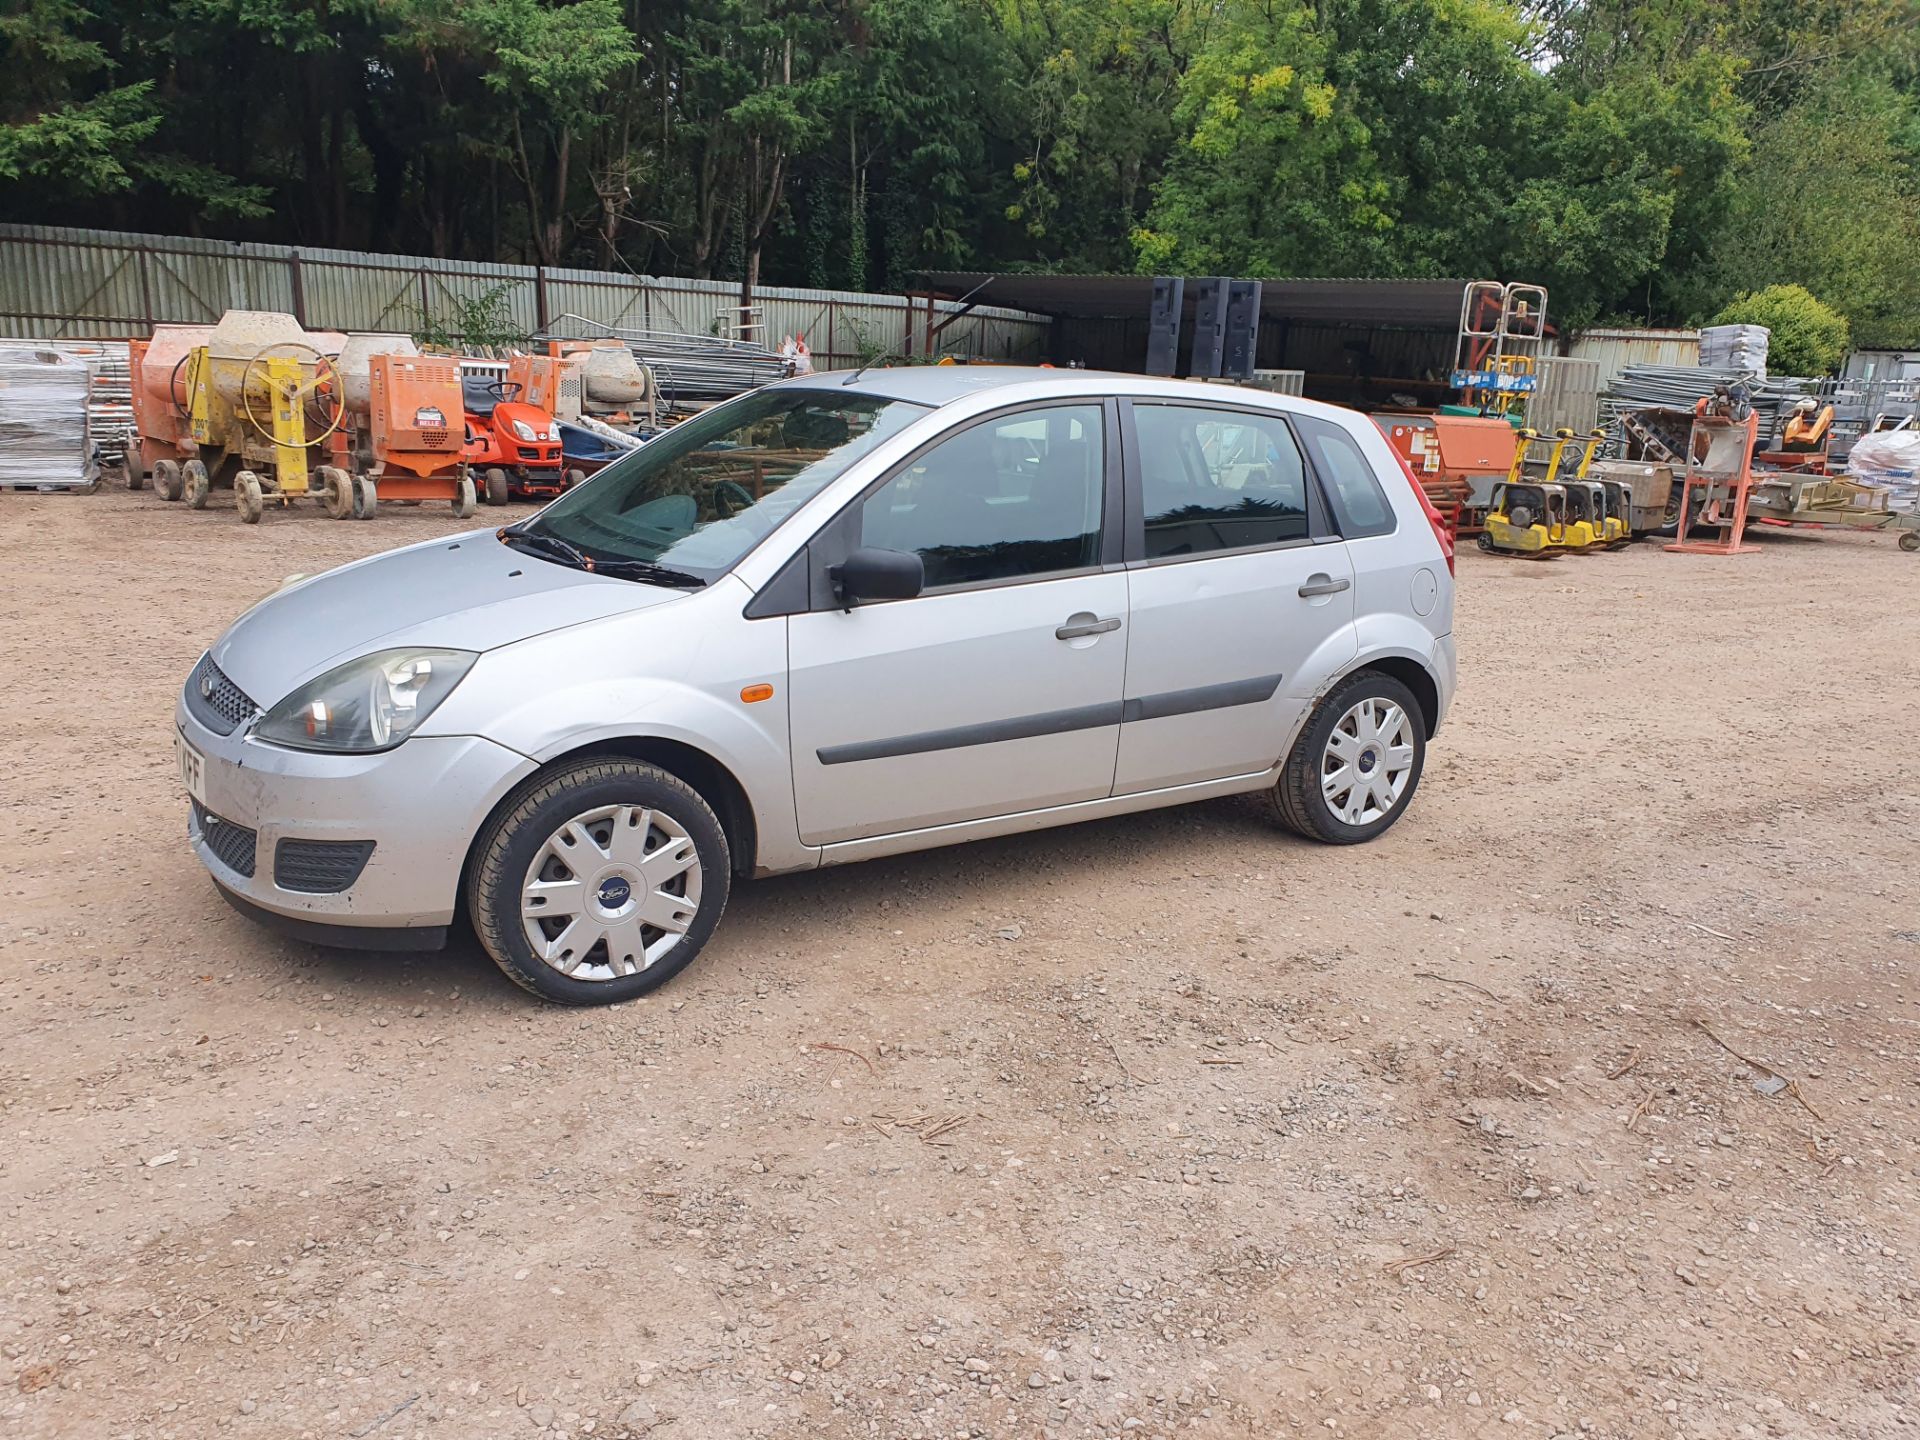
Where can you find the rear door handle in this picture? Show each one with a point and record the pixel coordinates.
(1323, 585)
(1072, 631)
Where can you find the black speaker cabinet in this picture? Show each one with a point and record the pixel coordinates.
(1243, 328)
(1209, 327)
(1163, 328)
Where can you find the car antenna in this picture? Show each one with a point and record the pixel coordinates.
(869, 364)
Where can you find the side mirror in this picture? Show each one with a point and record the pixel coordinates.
(877, 575)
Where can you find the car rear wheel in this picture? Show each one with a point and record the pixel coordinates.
(599, 882)
(1355, 767)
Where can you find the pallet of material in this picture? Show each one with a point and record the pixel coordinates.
(110, 401)
(46, 435)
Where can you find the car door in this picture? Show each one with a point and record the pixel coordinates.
(1240, 599)
(997, 689)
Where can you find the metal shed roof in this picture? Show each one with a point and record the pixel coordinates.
(1420, 304)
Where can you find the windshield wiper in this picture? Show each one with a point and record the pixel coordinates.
(553, 544)
(647, 572)
(614, 568)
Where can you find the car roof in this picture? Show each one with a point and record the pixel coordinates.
(942, 384)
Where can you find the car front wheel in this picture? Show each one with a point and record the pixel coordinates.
(1355, 767)
(599, 882)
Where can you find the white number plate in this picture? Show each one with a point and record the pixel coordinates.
(193, 768)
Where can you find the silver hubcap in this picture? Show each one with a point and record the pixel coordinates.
(1368, 761)
(611, 892)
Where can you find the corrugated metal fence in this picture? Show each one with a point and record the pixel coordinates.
(63, 283)
(1566, 395)
(1617, 349)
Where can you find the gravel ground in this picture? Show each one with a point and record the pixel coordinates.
(1169, 1123)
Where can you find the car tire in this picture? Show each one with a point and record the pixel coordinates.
(591, 810)
(1310, 798)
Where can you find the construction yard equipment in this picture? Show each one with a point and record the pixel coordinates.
(1503, 329)
(691, 370)
(1458, 460)
(512, 444)
(161, 443)
(1588, 497)
(1646, 492)
(1716, 485)
(1527, 518)
(259, 398)
(404, 439)
(608, 383)
(1534, 513)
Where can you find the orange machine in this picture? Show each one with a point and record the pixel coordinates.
(547, 382)
(1717, 486)
(1458, 459)
(157, 369)
(1807, 429)
(411, 448)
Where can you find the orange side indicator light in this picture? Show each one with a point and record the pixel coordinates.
(754, 694)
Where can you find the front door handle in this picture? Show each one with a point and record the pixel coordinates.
(1323, 585)
(1074, 630)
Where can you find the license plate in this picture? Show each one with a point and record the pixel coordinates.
(193, 769)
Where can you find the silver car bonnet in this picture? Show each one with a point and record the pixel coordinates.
(468, 592)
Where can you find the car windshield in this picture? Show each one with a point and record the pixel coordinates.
(699, 497)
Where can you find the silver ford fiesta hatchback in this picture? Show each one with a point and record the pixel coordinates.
(845, 616)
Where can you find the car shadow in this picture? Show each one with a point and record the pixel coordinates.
(807, 909)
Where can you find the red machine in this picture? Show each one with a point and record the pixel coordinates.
(1456, 460)
(512, 444)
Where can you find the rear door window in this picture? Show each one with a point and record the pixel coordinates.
(1214, 479)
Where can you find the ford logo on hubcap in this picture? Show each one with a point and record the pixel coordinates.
(614, 892)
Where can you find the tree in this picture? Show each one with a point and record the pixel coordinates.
(63, 123)
(1644, 160)
(1830, 199)
(1272, 174)
(1627, 185)
(552, 68)
(1807, 337)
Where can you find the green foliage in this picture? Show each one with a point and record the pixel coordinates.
(1272, 175)
(1828, 199)
(481, 319)
(1646, 161)
(1808, 338)
(65, 127)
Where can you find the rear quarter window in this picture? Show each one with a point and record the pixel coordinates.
(1359, 504)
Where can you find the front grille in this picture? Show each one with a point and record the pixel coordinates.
(232, 844)
(319, 867)
(214, 700)
(433, 439)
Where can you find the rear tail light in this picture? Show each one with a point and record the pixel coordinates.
(1434, 517)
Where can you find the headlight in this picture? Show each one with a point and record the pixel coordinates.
(368, 704)
(524, 431)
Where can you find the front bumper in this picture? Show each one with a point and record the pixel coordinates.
(420, 804)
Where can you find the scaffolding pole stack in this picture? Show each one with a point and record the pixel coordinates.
(691, 369)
